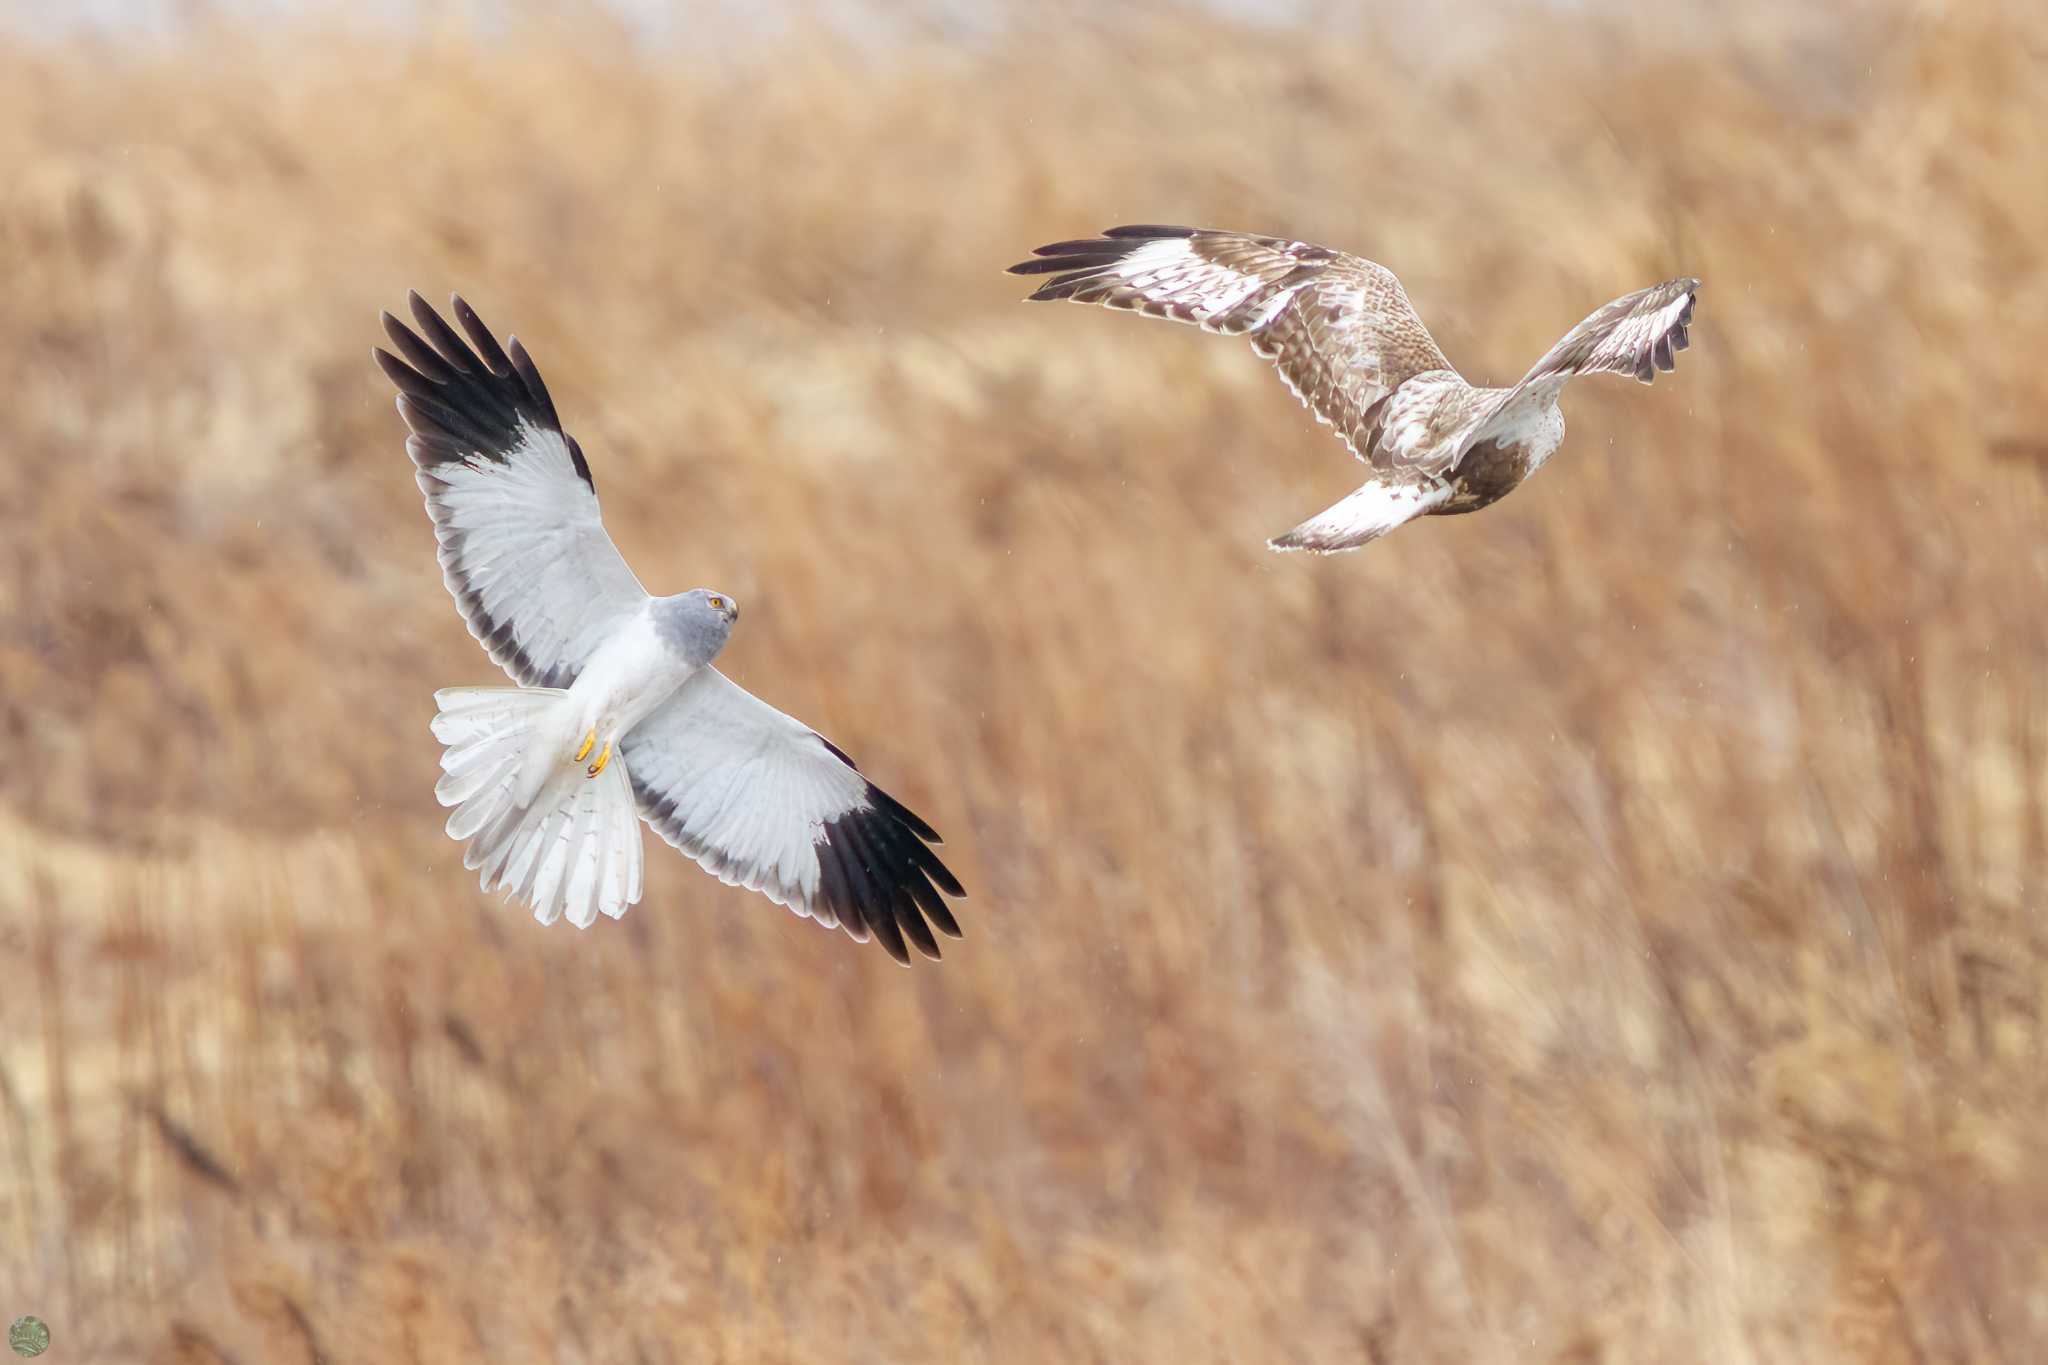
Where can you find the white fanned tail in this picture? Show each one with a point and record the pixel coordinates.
(1363, 517)
(538, 827)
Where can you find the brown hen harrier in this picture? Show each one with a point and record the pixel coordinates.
(1346, 340)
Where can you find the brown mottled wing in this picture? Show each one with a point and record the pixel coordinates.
(1339, 329)
(1634, 335)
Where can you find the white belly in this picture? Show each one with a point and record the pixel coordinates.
(1535, 423)
(631, 674)
(1546, 438)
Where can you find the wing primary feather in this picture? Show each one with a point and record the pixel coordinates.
(458, 432)
(888, 848)
(870, 846)
(852, 887)
(902, 813)
(447, 370)
(493, 390)
(913, 926)
(402, 375)
(837, 752)
(1065, 287)
(1078, 246)
(933, 905)
(441, 336)
(890, 936)
(1150, 230)
(480, 336)
(417, 353)
(522, 365)
(938, 871)
(831, 857)
(581, 465)
(1075, 260)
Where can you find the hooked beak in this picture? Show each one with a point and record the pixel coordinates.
(732, 610)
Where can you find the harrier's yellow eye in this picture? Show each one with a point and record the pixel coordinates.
(718, 604)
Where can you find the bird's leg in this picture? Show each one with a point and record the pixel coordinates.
(589, 743)
(604, 756)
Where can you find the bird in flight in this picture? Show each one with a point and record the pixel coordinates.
(618, 716)
(1348, 344)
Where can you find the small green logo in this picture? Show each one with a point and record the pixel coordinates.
(28, 1336)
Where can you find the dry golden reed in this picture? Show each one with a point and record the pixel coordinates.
(1607, 928)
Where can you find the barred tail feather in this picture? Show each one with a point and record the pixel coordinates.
(537, 828)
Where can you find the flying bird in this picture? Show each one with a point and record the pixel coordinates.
(1349, 345)
(619, 715)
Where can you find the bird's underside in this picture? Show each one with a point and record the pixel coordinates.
(1348, 344)
(619, 716)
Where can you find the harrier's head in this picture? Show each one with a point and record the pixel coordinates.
(696, 624)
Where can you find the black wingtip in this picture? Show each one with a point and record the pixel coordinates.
(1150, 230)
(943, 876)
(904, 814)
(472, 398)
(423, 315)
(1079, 246)
(911, 922)
(1079, 261)
(890, 937)
(876, 868)
(495, 359)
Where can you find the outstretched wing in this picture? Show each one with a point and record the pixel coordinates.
(765, 802)
(1637, 335)
(1634, 335)
(1339, 328)
(522, 547)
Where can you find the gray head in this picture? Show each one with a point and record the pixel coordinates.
(695, 624)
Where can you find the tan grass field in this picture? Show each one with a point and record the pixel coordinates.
(1604, 929)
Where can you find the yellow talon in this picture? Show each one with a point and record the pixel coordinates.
(589, 743)
(604, 756)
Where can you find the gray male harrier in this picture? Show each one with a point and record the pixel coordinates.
(619, 716)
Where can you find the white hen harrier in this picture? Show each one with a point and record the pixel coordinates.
(1342, 334)
(619, 712)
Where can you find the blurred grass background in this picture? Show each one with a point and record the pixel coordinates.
(1602, 929)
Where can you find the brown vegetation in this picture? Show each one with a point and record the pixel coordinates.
(1606, 928)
